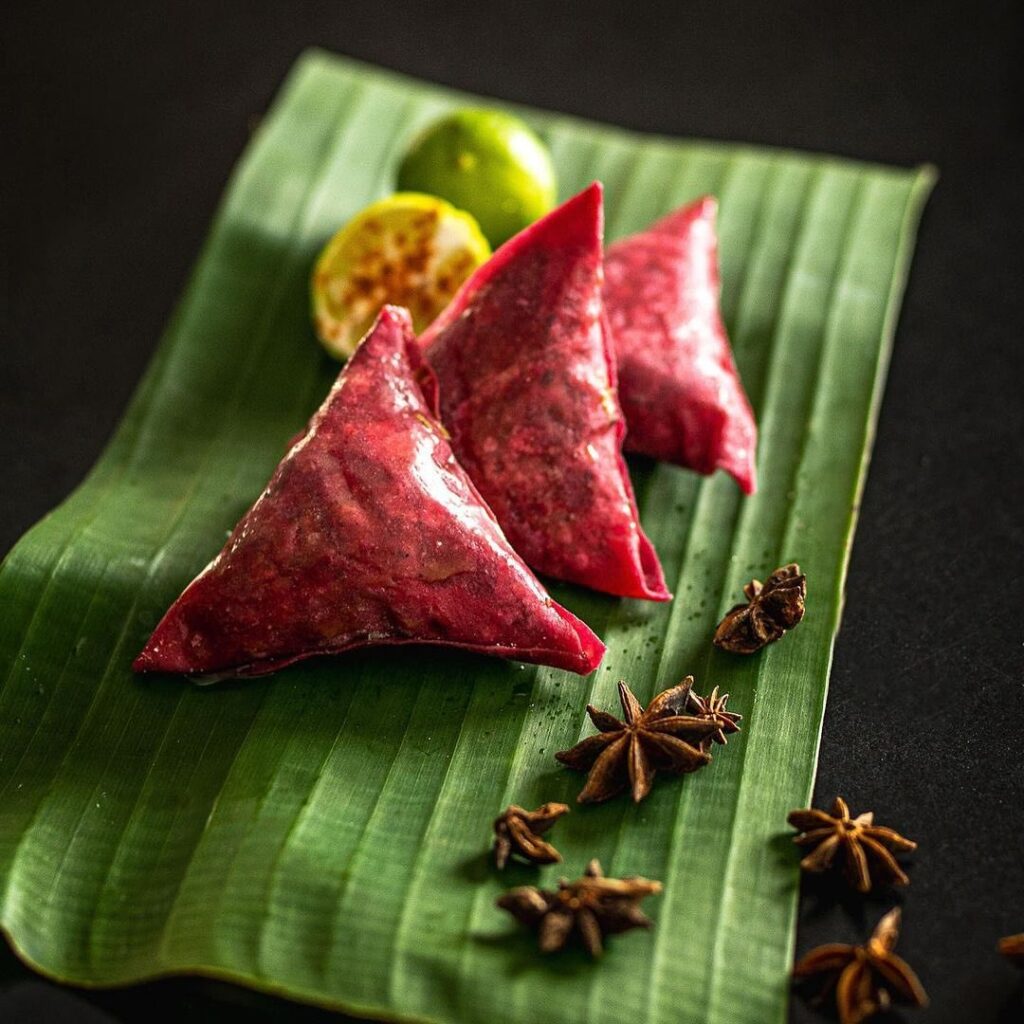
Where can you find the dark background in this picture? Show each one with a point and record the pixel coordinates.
(123, 120)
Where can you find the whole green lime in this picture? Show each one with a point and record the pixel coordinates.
(485, 162)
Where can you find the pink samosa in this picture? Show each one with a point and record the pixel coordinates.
(678, 383)
(368, 533)
(528, 393)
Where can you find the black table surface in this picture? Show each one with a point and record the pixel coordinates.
(123, 120)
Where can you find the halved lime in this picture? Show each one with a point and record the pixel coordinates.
(486, 162)
(410, 250)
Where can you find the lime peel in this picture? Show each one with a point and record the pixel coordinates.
(487, 162)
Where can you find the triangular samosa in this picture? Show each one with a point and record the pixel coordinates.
(678, 384)
(369, 532)
(528, 393)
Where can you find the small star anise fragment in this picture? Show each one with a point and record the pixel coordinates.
(865, 846)
(1012, 947)
(865, 979)
(772, 608)
(591, 908)
(631, 752)
(712, 708)
(518, 831)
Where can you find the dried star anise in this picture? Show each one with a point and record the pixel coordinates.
(772, 608)
(865, 845)
(712, 708)
(630, 753)
(1012, 947)
(867, 978)
(518, 831)
(592, 907)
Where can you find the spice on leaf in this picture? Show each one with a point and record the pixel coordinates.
(518, 831)
(865, 846)
(1012, 947)
(866, 979)
(772, 608)
(592, 908)
(712, 708)
(630, 752)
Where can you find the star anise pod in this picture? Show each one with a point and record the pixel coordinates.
(592, 907)
(866, 979)
(1012, 947)
(630, 752)
(518, 831)
(712, 707)
(865, 846)
(772, 608)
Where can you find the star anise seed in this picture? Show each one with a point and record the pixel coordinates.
(866, 979)
(712, 707)
(518, 831)
(631, 752)
(1012, 947)
(772, 608)
(592, 908)
(865, 846)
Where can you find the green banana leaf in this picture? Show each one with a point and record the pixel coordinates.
(323, 834)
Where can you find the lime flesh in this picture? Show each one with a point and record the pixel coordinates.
(410, 250)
